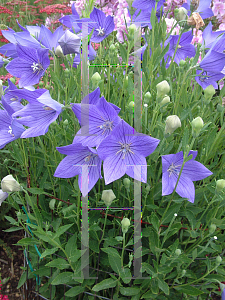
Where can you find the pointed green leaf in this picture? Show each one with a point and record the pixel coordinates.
(62, 278)
(59, 263)
(77, 290)
(48, 252)
(105, 284)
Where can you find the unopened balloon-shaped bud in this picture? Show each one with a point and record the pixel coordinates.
(164, 103)
(3, 196)
(112, 48)
(178, 252)
(9, 184)
(163, 88)
(183, 273)
(220, 185)
(209, 92)
(131, 30)
(108, 196)
(125, 225)
(197, 125)
(172, 123)
(131, 104)
(126, 183)
(95, 79)
(181, 14)
(218, 260)
(147, 97)
(59, 51)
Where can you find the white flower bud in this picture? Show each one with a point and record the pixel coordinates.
(132, 28)
(218, 260)
(3, 196)
(9, 184)
(220, 185)
(108, 196)
(163, 88)
(181, 14)
(172, 123)
(95, 79)
(197, 125)
(147, 97)
(59, 51)
(125, 224)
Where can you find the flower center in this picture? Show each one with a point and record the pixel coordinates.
(101, 31)
(106, 125)
(47, 108)
(125, 148)
(173, 169)
(203, 77)
(10, 131)
(37, 67)
(89, 157)
(14, 98)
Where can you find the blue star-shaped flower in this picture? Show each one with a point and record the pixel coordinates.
(30, 65)
(192, 171)
(124, 149)
(80, 160)
(203, 8)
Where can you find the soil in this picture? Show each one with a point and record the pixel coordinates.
(11, 259)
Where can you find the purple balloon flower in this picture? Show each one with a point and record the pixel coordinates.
(185, 49)
(10, 129)
(203, 8)
(49, 39)
(213, 62)
(70, 43)
(192, 171)
(30, 65)
(83, 161)
(124, 149)
(148, 4)
(210, 36)
(223, 294)
(208, 78)
(38, 115)
(102, 25)
(97, 122)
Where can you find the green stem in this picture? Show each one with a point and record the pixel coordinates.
(123, 249)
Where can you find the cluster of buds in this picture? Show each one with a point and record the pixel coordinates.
(162, 97)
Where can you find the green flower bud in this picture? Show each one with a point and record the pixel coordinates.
(147, 188)
(220, 185)
(112, 48)
(125, 224)
(147, 97)
(47, 86)
(212, 228)
(65, 122)
(172, 123)
(183, 273)
(132, 28)
(95, 79)
(178, 252)
(67, 73)
(126, 183)
(218, 260)
(209, 92)
(13, 80)
(131, 104)
(197, 125)
(220, 108)
(108, 196)
(163, 88)
(41, 84)
(59, 51)
(182, 63)
(9, 184)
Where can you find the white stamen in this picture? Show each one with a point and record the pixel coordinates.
(10, 131)
(101, 31)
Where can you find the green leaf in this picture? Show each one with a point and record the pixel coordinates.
(36, 191)
(194, 253)
(189, 290)
(27, 242)
(48, 252)
(62, 229)
(62, 278)
(125, 275)
(22, 279)
(163, 286)
(11, 220)
(114, 259)
(160, 57)
(75, 291)
(105, 284)
(59, 263)
(155, 221)
(12, 229)
(129, 291)
(71, 246)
